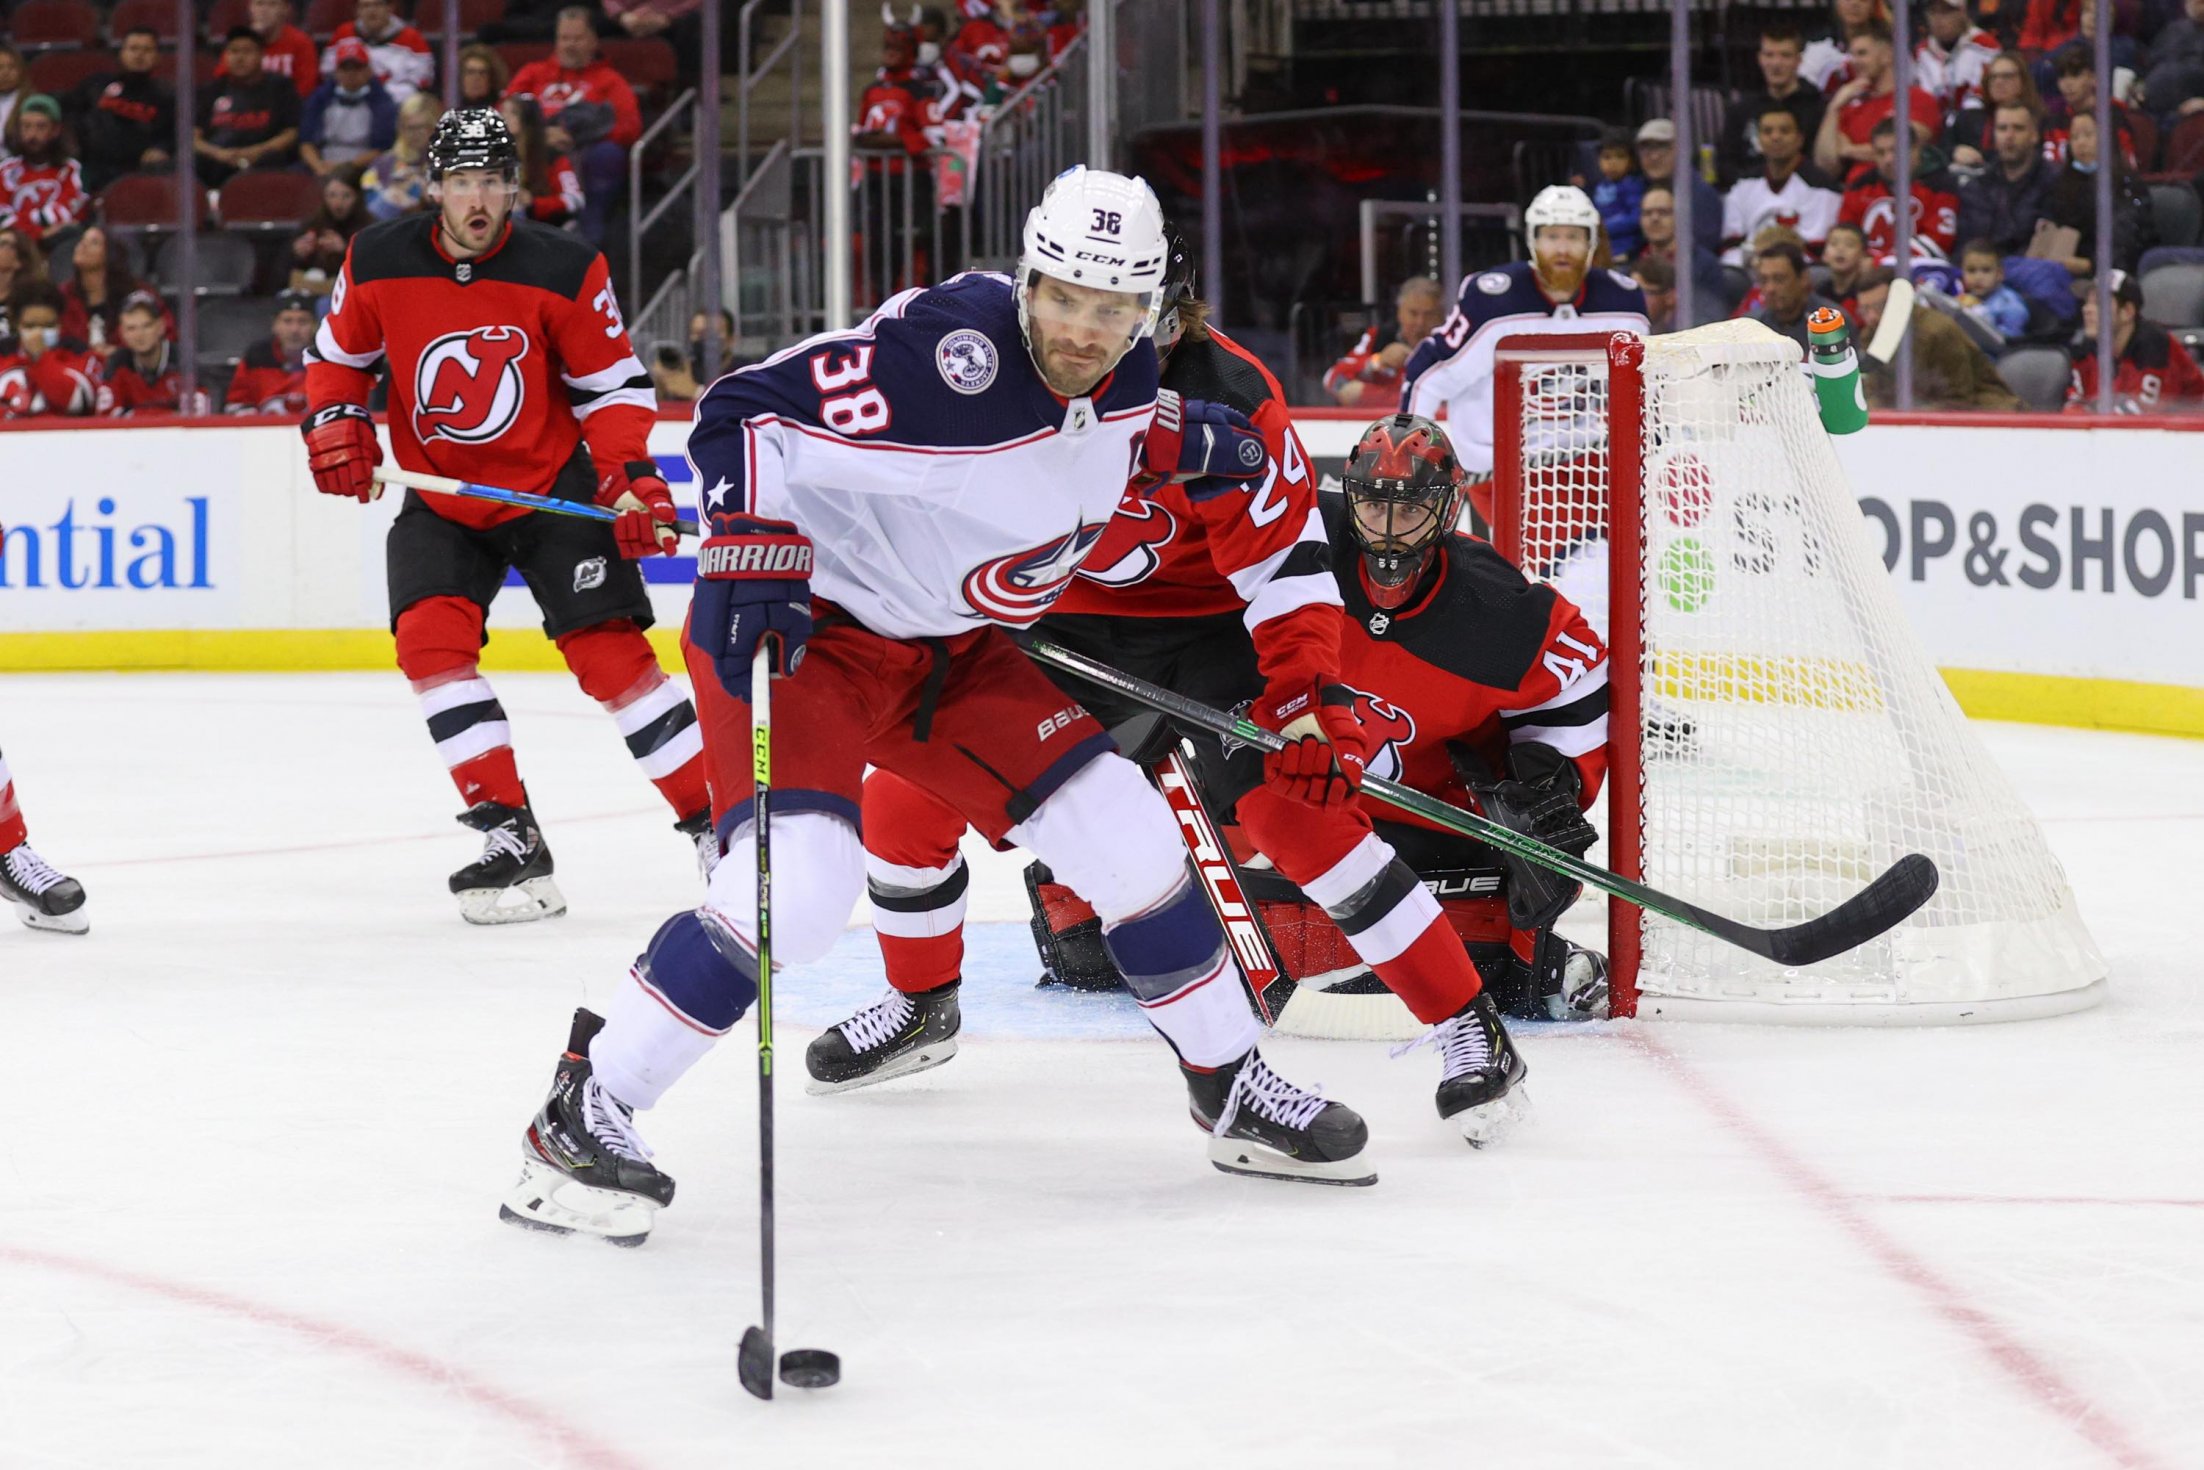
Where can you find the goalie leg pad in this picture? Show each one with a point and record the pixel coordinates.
(1068, 934)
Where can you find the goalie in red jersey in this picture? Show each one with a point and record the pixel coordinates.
(506, 354)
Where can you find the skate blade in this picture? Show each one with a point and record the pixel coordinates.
(74, 922)
(545, 1199)
(923, 1059)
(523, 903)
(1488, 1123)
(1252, 1160)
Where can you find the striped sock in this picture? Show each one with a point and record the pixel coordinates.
(12, 832)
(659, 724)
(472, 735)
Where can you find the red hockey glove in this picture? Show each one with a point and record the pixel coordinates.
(342, 452)
(639, 493)
(1324, 764)
(1207, 443)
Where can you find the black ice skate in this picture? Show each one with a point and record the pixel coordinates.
(583, 1168)
(1261, 1125)
(49, 899)
(1481, 1073)
(893, 1037)
(697, 827)
(511, 882)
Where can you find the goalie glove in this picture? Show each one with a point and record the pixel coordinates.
(1538, 798)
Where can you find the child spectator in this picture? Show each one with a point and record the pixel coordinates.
(41, 372)
(401, 58)
(1371, 368)
(482, 76)
(590, 111)
(92, 302)
(318, 252)
(1871, 202)
(547, 179)
(143, 378)
(2077, 72)
(1987, 298)
(395, 182)
(248, 118)
(42, 187)
(125, 119)
(2151, 370)
(272, 378)
(1618, 191)
(350, 117)
(1844, 261)
(286, 51)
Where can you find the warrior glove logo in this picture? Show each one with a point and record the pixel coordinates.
(467, 387)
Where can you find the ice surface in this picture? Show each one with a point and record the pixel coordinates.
(258, 1122)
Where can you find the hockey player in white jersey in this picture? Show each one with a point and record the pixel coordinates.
(882, 504)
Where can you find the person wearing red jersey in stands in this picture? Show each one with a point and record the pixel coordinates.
(286, 51)
(42, 372)
(1846, 139)
(1871, 202)
(2151, 371)
(41, 188)
(144, 378)
(590, 111)
(1373, 364)
(553, 189)
(272, 378)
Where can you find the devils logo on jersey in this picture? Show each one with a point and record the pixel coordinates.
(1132, 545)
(1018, 588)
(1391, 729)
(467, 385)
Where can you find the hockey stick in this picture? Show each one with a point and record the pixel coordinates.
(1890, 332)
(1268, 985)
(1884, 903)
(469, 490)
(800, 1367)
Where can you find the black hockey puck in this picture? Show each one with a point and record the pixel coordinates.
(810, 1368)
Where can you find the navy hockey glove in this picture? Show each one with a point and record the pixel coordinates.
(1211, 444)
(753, 581)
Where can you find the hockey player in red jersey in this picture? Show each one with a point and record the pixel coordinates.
(47, 898)
(507, 353)
(1229, 599)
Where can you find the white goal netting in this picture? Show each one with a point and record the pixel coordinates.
(1794, 738)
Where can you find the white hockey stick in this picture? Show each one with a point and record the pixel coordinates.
(1890, 332)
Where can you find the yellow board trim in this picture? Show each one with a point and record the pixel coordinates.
(1986, 694)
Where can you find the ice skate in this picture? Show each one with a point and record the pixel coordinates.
(511, 882)
(48, 898)
(1583, 993)
(1261, 1125)
(697, 827)
(1481, 1072)
(584, 1170)
(893, 1037)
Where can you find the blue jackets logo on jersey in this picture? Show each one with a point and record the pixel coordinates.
(1133, 547)
(967, 360)
(1018, 588)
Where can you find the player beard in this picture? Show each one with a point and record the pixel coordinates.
(1069, 375)
(474, 231)
(1561, 279)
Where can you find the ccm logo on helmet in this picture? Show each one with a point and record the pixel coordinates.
(467, 386)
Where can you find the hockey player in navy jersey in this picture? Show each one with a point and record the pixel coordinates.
(882, 504)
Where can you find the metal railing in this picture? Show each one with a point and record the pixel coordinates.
(747, 78)
(640, 220)
(1037, 133)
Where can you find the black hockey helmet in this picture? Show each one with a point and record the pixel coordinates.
(1403, 488)
(473, 137)
(1178, 287)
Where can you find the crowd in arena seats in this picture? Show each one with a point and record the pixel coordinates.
(304, 130)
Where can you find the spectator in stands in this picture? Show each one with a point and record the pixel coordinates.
(1657, 160)
(1781, 47)
(1371, 368)
(1657, 279)
(1784, 189)
(2077, 72)
(350, 117)
(1657, 222)
(1954, 58)
(2050, 24)
(401, 57)
(125, 119)
(44, 372)
(679, 23)
(42, 189)
(591, 111)
(1847, 137)
(318, 253)
(2173, 67)
(394, 183)
(272, 378)
(728, 361)
(482, 76)
(1826, 63)
(1787, 295)
(2003, 202)
(100, 282)
(22, 264)
(12, 91)
(670, 374)
(144, 378)
(2151, 370)
(900, 108)
(1844, 264)
(1987, 298)
(1869, 203)
(1971, 140)
(547, 179)
(1618, 191)
(1949, 371)
(2072, 202)
(247, 118)
(286, 51)
(980, 49)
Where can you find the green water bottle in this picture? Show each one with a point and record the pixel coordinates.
(1836, 370)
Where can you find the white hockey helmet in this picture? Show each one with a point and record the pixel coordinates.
(1561, 204)
(1099, 229)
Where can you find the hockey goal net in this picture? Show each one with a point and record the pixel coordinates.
(1779, 735)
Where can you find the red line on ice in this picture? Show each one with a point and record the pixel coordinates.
(2040, 1379)
(575, 1446)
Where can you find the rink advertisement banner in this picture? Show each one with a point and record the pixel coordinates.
(2053, 573)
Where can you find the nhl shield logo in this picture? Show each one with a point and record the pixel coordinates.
(967, 360)
(1379, 622)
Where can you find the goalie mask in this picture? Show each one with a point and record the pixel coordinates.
(1403, 490)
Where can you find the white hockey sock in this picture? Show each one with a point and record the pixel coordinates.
(646, 1046)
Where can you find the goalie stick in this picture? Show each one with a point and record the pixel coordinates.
(469, 490)
(1897, 892)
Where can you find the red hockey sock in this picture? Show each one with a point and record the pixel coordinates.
(916, 879)
(439, 639)
(13, 834)
(615, 666)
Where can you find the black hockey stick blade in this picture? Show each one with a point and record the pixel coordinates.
(1881, 905)
(810, 1368)
(754, 1363)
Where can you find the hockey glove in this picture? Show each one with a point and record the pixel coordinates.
(753, 581)
(342, 452)
(1322, 766)
(1210, 444)
(639, 493)
(1539, 799)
